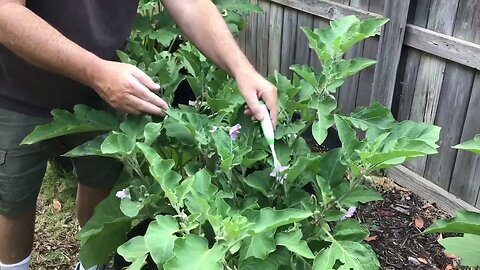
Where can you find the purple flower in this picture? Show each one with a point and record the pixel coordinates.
(234, 131)
(277, 172)
(122, 194)
(350, 212)
(213, 129)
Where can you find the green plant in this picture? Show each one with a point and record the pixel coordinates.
(204, 172)
(466, 222)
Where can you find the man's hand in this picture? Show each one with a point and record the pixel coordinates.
(204, 26)
(253, 88)
(127, 88)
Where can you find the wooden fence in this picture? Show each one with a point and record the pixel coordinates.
(428, 70)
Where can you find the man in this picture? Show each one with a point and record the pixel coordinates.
(55, 54)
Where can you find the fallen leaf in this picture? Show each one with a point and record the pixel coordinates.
(422, 260)
(419, 223)
(57, 205)
(450, 256)
(371, 238)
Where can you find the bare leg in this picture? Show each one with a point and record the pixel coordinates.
(87, 199)
(16, 236)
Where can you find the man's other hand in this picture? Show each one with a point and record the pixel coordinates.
(127, 88)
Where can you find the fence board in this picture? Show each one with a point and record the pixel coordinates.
(289, 37)
(430, 72)
(412, 64)
(464, 181)
(302, 50)
(263, 21)
(465, 163)
(275, 42)
(251, 36)
(389, 51)
(454, 97)
(326, 9)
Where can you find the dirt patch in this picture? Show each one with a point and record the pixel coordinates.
(396, 224)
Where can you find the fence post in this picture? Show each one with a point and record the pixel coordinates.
(389, 51)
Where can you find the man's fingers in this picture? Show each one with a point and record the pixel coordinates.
(254, 105)
(144, 106)
(145, 79)
(142, 92)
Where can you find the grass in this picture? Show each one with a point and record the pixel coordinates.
(55, 246)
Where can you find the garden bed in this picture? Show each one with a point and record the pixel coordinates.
(395, 224)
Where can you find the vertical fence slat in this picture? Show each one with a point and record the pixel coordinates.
(251, 37)
(288, 40)
(389, 51)
(430, 72)
(465, 183)
(263, 20)
(460, 123)
(275, 42)
(453, 101)
(302, 51)
(412, 64)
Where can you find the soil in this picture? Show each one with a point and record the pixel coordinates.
(396, 224)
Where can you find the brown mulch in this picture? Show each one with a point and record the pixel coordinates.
(395, 225)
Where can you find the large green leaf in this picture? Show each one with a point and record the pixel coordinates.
(324, 118)
(192, 253)
(270, 219)
(152, 132)
(332, 169)
(261, 181)
(258, 245)
(133, 249)
(471, 146)
(306, 73)
(463, 222)
(293, 241)
(353, 256)
(347, 136)
(118, 143)
(346, 68)
(160, 238)
(90, 148)
(134, 125)
(83, 119)
(253, 263)
(350, 230)
(361, 194)
(373, 116)
(466, 247)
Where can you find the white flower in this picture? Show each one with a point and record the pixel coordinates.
(213, 129)
(277, 172)
(192, 103)
(122, 194)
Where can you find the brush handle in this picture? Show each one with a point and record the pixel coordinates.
(267, 126)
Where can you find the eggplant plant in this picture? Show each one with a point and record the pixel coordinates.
(203, 174)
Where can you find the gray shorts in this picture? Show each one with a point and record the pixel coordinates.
(22, 167)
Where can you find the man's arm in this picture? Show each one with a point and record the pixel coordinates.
(204, 26)
(124, 86)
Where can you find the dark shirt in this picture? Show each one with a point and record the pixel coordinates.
(100, 26)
